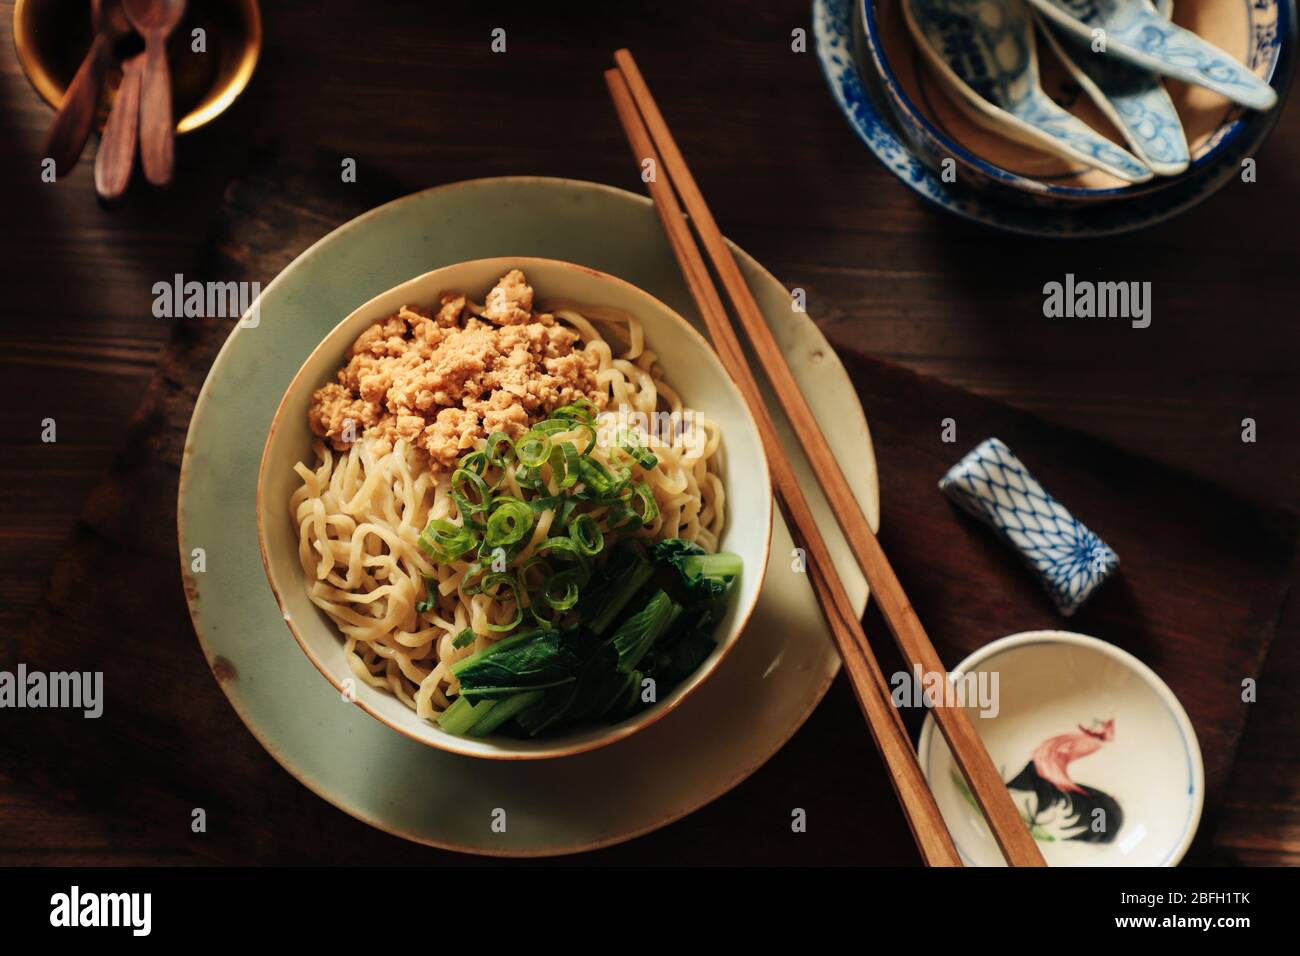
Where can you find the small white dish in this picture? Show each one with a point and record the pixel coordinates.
(1096, 748)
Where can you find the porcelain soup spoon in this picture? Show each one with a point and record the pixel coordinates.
(984, 51)
(1132, 98)
(1135, 32)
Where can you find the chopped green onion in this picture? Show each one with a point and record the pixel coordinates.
(495, 441)
(531, 478)
(521, 572)
(549, 425)
(586, 536)
(564, 464)
(595, 476)
(462, 481)
(475, 461)
(430, 596)
(581, 409)
(464, 639)
(444, 542)
(591, 436)
(491, 587)
(533, 449)
(560, 592)
(510, 520)
(475, 569)
(565, 546)
(630, 442)
(649, 507)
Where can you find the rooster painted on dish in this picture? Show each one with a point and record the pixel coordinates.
(1059, 808)
(1055, 807)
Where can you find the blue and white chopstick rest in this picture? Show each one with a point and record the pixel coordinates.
(994, 485)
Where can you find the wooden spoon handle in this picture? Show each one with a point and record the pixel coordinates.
(157, 131)
(116, 154)
(71, 127)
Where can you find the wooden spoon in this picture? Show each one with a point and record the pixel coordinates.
(71, 126)
(116, 156)
(154, 20)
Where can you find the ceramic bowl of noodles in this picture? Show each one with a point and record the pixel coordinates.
(514, 508)
(1096, 750)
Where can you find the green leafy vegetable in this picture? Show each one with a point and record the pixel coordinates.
(503, 711)
(463, 714)
(625, 573)
(547, 659)
(544, 711)
(705, 575)
(680, 653)
(637, 634)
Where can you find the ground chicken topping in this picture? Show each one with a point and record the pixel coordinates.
(444, 381)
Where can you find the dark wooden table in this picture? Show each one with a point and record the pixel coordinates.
(417, 97)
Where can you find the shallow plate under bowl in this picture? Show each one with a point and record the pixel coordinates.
(759, 695)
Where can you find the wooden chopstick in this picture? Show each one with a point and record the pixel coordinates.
(968, 750)
(864, 672)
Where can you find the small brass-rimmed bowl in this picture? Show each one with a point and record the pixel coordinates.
(51, 38)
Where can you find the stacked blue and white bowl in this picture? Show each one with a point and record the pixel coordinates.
(912, 80)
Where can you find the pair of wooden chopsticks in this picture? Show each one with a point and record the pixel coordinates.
(650, 139)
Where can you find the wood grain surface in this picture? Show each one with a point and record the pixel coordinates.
(417, 98)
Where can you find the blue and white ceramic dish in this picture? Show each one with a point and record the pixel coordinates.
(860, 99)
(1265, 30)
(1099, 755)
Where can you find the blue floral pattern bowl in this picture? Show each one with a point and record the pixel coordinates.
(858, 94)
(1262, 31)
